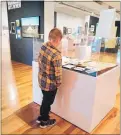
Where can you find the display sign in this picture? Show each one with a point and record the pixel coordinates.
(14, 4)
(106, 24)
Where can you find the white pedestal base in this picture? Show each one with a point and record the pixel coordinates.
(82, 100)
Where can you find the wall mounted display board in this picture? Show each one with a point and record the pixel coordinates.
(18, 23)
(18, 32)
(30, 26)
(12, 28)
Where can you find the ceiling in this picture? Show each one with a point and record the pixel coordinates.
(86, 8)
(114, 4)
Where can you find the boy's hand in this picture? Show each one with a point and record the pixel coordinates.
(57, 62)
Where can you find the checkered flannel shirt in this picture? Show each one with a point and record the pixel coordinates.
(50, 67)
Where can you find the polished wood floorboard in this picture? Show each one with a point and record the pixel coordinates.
(19, 112)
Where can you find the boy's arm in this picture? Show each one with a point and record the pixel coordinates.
(57, 62)
(39, 61)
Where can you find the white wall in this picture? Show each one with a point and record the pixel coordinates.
(48, 18)
(5, 33)
(64, 20)
(8, 80)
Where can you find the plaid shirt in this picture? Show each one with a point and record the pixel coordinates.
(50, 67)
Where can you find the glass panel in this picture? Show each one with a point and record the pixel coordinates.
(37, 44)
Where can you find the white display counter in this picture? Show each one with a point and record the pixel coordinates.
(82, 100)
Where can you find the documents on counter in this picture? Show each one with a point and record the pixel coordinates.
(79, 68)
(86, 66)
(100, 65)
(69, 66)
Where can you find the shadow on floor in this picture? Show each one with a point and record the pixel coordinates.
(29, 114)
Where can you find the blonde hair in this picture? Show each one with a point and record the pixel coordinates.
(54, 34)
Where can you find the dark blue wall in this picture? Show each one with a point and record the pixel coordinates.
(93, 21)
(22, 49)
(117, 24)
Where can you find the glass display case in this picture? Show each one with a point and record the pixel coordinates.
(37, 43)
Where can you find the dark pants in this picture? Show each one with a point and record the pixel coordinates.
(48, 99)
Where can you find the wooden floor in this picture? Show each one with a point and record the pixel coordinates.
(19, 112)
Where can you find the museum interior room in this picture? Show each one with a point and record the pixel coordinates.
(88, 100)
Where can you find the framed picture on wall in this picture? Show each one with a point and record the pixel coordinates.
(69, 30)
(12, 28)
(64, 30)
(79, 30)
(18, 32)
(17, 23)
(92, 28)
(30, 27)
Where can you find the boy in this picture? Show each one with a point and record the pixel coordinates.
(50, 75)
